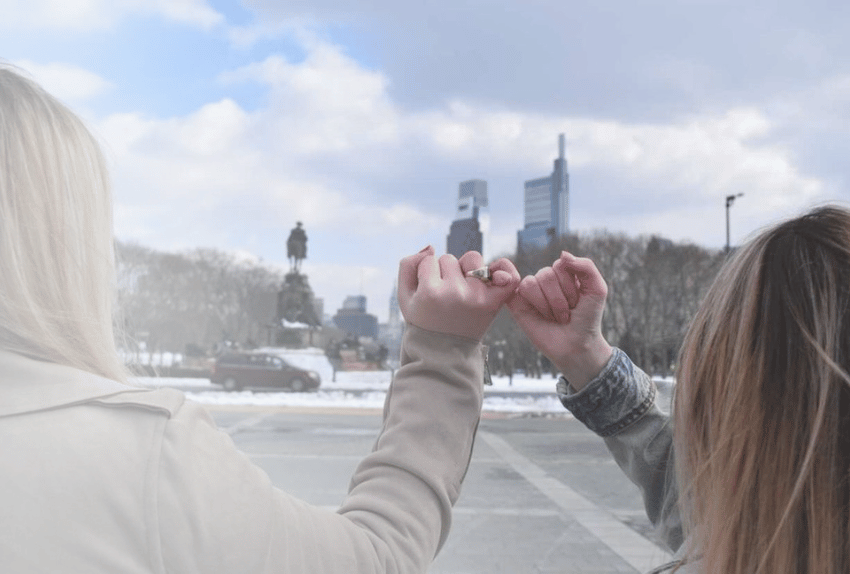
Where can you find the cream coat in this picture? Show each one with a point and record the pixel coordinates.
(99, 477)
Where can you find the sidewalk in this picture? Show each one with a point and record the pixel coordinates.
(545, 525)
(542, 494)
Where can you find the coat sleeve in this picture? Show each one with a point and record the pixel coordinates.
(622, 405)
(217, 512)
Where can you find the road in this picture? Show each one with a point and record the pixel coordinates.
(542, 495)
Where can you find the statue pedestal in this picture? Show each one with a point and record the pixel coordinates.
(295, 306)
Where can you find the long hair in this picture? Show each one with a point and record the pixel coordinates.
(56, 246)
(762, 407)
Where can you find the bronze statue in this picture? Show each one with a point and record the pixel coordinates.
(296, 247)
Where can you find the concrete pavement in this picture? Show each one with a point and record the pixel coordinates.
(542, 495)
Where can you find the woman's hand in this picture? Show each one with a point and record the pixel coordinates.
(435, 294)
(560, 309)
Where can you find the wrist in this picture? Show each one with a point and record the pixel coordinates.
(581, 367)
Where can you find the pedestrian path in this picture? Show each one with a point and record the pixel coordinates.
(542, 496)
(633, 548)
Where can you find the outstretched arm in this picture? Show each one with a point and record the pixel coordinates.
(404, 491)
(560, 309)
(398, 510)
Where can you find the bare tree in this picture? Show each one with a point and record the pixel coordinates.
(170, 301)
(654, 287)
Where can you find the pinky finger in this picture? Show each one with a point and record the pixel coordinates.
(529, 289)
(567, 282)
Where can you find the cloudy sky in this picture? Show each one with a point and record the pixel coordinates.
(227, 122)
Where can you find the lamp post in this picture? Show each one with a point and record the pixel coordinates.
(730, 199)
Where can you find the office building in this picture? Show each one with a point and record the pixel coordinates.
(547, 205)
(465, 232)
(354, 320)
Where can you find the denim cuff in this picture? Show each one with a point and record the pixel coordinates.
(615, 399)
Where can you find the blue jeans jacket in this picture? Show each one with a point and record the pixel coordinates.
(623, 406)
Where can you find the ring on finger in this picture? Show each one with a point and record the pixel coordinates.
(482, 273)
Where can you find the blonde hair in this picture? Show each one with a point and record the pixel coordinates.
(57, 284)
(762, 407)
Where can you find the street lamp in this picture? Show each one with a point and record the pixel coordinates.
(730, 199)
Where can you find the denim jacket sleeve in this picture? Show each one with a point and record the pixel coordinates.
(622, 406)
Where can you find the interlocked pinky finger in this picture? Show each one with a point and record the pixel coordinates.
(567, 281)
(550, 286)
(529, 289)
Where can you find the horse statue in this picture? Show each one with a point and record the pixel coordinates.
(296, 247)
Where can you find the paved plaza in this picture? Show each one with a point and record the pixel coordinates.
(541, 495)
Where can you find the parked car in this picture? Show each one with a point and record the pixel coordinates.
(261, 371)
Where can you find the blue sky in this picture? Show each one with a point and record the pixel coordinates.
(227, 122)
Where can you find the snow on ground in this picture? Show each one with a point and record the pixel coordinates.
(372, 386)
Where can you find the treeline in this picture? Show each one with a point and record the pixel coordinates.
(654, 288)
(193, 302)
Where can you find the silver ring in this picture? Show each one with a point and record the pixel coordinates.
(482, 273)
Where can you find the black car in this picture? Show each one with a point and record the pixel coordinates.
(261, 371)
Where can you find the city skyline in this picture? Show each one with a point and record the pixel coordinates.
(226, 122)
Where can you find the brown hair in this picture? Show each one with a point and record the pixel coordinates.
(762, 407)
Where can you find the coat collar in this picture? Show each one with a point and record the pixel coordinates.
(28, 385)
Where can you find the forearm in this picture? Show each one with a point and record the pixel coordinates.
(404, 491)
(621, 405)
(644, 451)
(209, 497)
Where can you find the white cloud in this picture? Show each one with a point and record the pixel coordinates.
(65, 81)
(698, 158)
(52, 14)
(710, 155)
(330, 131)
(85, 15)
(327, 102)
(221, 152)
(823, 107)
(244, 37)
(193, 12)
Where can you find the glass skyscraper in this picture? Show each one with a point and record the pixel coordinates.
(465, 232)
(547, 205)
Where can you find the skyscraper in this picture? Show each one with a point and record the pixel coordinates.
(547, 205)
(465, 232)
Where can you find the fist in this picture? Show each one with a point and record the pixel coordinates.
(435, 294)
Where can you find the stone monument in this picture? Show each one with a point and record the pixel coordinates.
(295, 310)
